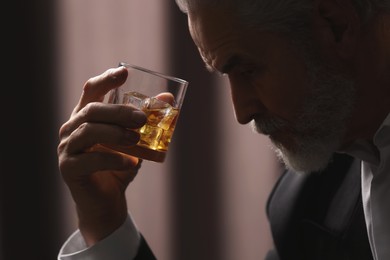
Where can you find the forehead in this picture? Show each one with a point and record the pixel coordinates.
(212, 29)
(221, 37)
(212, 22)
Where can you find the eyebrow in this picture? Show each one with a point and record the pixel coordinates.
(232, 62)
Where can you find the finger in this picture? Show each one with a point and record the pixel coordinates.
(166, 97)
(90, 134)
(95, 88)
(79, 166)
(112, 114)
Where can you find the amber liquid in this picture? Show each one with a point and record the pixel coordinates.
(156, 134)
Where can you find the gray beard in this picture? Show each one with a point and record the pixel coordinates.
(318, 132)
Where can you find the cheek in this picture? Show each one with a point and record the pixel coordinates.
(283, 93)
(285, 83)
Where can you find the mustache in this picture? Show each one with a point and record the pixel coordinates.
(268, 125)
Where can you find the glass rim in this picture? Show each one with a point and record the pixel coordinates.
(179, 80)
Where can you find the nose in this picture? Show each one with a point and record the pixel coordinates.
(245, 100)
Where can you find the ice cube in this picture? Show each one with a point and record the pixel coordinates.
(154, 103)
(136, 99)
(169, 116)
(150, 136)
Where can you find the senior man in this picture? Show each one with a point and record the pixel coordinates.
(314, 76)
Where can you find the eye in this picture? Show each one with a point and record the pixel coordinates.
(247, 71)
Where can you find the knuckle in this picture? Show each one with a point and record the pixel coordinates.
(61, 148)
(72, 141)
(65, 166)
(88, 85)
(64, 130)
(89, 111)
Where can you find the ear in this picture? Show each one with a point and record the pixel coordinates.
(336, 26)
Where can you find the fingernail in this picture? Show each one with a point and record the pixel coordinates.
(118, 71)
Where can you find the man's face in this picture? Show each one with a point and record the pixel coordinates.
(288, 96)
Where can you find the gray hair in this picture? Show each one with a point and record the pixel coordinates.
(264, 14)
(281, 15)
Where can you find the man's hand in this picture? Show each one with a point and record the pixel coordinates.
(97, 179)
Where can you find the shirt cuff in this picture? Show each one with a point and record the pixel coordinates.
(122, 244)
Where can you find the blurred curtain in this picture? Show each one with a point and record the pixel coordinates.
(31, 203)
(197, 179)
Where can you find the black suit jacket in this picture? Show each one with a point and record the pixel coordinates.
(319, 216)
(144, 252)
(314, 217)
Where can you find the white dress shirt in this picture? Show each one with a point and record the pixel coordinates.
(376, 195)
(120, 245)
(376, 188)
